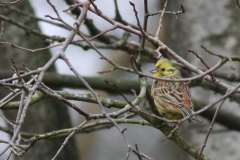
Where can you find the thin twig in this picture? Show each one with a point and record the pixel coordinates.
(9, 156)
(136, 15)
(51, 93)
(95, 7)
(2, 29)
(210, 128)
(118, 16)
(15, 9)
(231, 91)
(14, 2)
(212, 53)
(201, 61)
(139, 157)
(29, 30)
(68, 137)
(221, 56)
(168, 12)
(142, 45)
(238, 4)
(10, 99)
(8, 121)
(160, 21)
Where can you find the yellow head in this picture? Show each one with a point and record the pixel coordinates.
(164, 68)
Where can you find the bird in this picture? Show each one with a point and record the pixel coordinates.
(172, 99)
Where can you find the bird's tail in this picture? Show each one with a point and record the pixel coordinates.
(197, 119)
(186, 112)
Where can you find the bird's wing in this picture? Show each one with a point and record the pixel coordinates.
(187, 98)
(176, 93)
(188, 102)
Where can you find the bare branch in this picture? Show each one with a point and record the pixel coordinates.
(210, 128)
(29, 30)
(238, 4)
(201, 61)
(2, 30)
(36, 89)
(161, 20)
(68, 137)
(136, 15)
(168, 12)
(8, 3)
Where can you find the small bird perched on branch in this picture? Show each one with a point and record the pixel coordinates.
(173, 99)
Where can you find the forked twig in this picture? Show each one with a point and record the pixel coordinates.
(202, 62)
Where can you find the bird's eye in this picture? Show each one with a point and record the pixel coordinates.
(163, 69)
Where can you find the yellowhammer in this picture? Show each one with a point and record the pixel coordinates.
(173, 99)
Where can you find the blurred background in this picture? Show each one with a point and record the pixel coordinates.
(213, 24)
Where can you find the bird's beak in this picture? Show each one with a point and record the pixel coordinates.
(153, 71)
